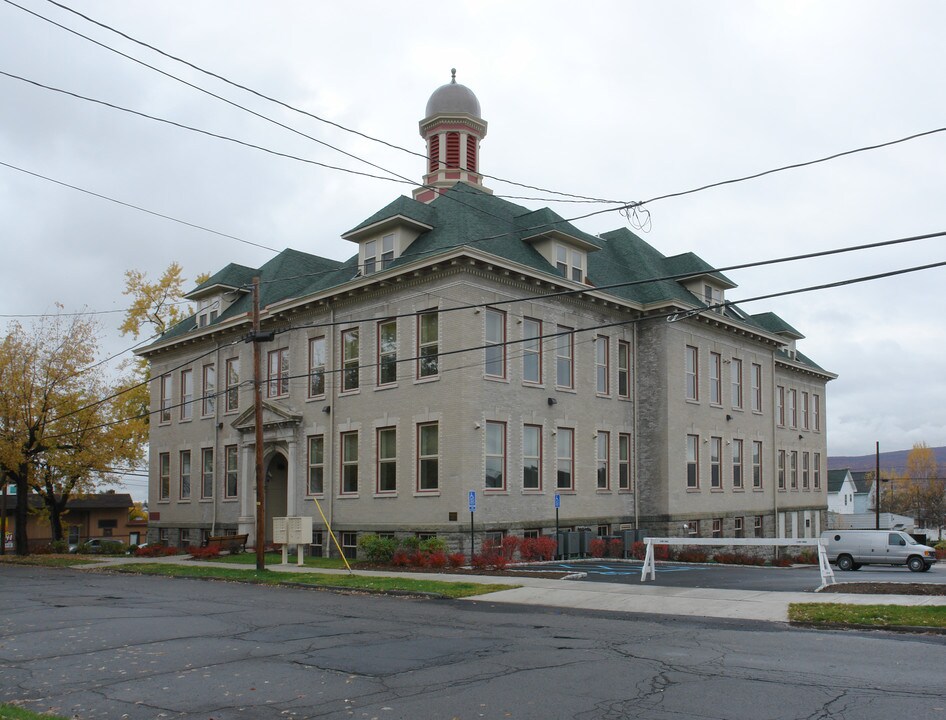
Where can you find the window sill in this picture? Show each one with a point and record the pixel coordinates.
(603, 491)
(231, 499)
(529, 384)
(693, 490)
(429, 379)
(533, 491)
(346, 393)
(427, 493)
(496, 378)
(495, 491)
(568, 389)
(315, 398)
(719, 490)
(386, 494)
(386, 386)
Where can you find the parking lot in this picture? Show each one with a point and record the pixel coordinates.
(803, 578)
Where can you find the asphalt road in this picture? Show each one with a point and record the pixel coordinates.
(90, 645)
(793, 579)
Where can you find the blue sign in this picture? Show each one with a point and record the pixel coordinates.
(472, 500)
(558, 501)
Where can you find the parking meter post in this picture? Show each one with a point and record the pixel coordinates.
(558, 553)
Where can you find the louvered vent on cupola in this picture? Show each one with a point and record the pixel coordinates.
(453, 150)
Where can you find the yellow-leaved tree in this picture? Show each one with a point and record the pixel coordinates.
(65, 427)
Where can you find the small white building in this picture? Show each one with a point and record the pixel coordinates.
(841, 492)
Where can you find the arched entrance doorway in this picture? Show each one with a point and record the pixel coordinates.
(276, 491)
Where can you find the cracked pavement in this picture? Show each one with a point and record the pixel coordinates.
(114, 646)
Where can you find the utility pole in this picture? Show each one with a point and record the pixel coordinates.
(256, 338)
(877, 488)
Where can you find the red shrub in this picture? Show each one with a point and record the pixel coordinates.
(941, 553)
(456, 559)
(638, 550)
(156, 551)
(437, 559)
(419, 559)
(203, 553)
(691, 555)
(782, 562)
(540, 548)
(509, 546)
(498, 562)
(616, 548)
(598, 547)
(400, 558)
(480, 562)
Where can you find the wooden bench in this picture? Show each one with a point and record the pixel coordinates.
(226, 542)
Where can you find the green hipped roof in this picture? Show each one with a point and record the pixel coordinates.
(467, 216)
(774, 324)
(836, 479)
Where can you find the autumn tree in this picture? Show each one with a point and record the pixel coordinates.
(64, 426)
(919, 492)
(157, 306)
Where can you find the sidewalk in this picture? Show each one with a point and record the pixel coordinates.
(635, 597)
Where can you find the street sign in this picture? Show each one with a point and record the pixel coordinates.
(472, 500)
(558, 501)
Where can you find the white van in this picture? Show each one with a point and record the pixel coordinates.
(849, 549)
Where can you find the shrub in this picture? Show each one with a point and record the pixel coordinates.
(113, 547)
(479, 561)
(437, 559)
(411, 543)
(540, 548)
(156, 551)
(456, 559)
(638, 550)
(433, 545)
(616, 548)
(203, 553)
(509, 546)
(419, 558)
(377, 549)
(598, 547)
(59, 546)
(691, 555)
(400, 558)
(491, 556)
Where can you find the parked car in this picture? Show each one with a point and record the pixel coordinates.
(851, 549)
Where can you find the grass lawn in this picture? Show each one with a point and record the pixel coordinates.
(354, 582)
(11, 712)
(877, 615)
(48, 561)
(249, 558)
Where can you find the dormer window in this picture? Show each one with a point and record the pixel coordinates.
(379, 254)
(713, 297)
(570, 262)
(207, 312)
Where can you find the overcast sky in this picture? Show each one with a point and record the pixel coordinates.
(618, 100)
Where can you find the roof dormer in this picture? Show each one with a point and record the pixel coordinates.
(385, 236)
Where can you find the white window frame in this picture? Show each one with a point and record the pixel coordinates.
(317, 358)
(494, 366)
(428, 350)
(603, 460)
(351, 360)
(493, 453)
(387, 354)
(603, 365)
(531, 351)
(692, 374)
(532, 451)
(427, 457)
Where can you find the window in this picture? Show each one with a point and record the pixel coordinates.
(428, 344)
(230, 491)
(565, 357)
(532, 457)
(531, 351)
(233, 384)
(428, 456)
(793, 469)
(624, 461)
(379, 255)
(805, 471)
(739, 528)
(350, 360)
(495, 456)
(187, 394)
(316, 462)
(165, 399)
(816, 412)
(792, 408)
(692, 528)
(565, 459)
(164, 476)
(350, 463)
(209, 393)
(692, 374)
(735, 369)
(757, 464)
(350, 545)
(624, 369)
(756, 387)
(495, 343)
(387, 460)
(570, 262)
(817, 464)
(757, 525)
(604, 460)
(716, 378)
(278, 373)
(387, 352)
(717, 527)
(207, 472)
(317, 366)
(693, 462)
(804, 410)
(780, 405)
(185, 477)
(737, 464)
(716, 454)
(602, 365)
(781, 469)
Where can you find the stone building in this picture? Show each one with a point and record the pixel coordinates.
(472, 344)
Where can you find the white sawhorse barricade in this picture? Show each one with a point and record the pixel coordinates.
(649, 569)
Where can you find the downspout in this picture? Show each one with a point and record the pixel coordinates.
(773, 391)
(634, 414)
(330, 445)
(216, 496)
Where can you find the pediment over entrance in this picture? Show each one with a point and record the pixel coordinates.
(275, 415)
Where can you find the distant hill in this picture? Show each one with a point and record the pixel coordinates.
(895, 460)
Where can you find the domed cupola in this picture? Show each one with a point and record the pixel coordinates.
(452, 129)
